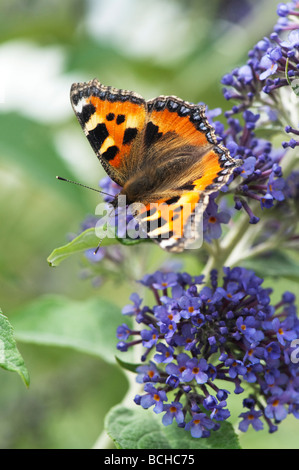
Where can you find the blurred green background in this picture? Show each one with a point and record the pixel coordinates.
(158, 47)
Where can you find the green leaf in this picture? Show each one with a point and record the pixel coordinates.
(127, 365)
(142, 429)
(84, 241)
(88, 326)
(276, 264)
(10, 358)
(87, 240)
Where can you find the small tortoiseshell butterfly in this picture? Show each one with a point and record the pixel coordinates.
(162, 152)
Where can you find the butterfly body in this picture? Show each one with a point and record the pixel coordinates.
(161, 151)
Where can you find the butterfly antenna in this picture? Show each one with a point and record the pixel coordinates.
(101, 239)
(98, 247)
(93, 189)
(83, 185)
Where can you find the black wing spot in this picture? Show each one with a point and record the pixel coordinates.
(87, 111)
(110, 153)
(75, 99)
(152, 134)
(187, 187)
(110, 116)
(98, 135)
(173, 200)
(129, 135)
(120, 119)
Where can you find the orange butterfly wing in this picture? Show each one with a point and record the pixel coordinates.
(111, 119)
(167, 142)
